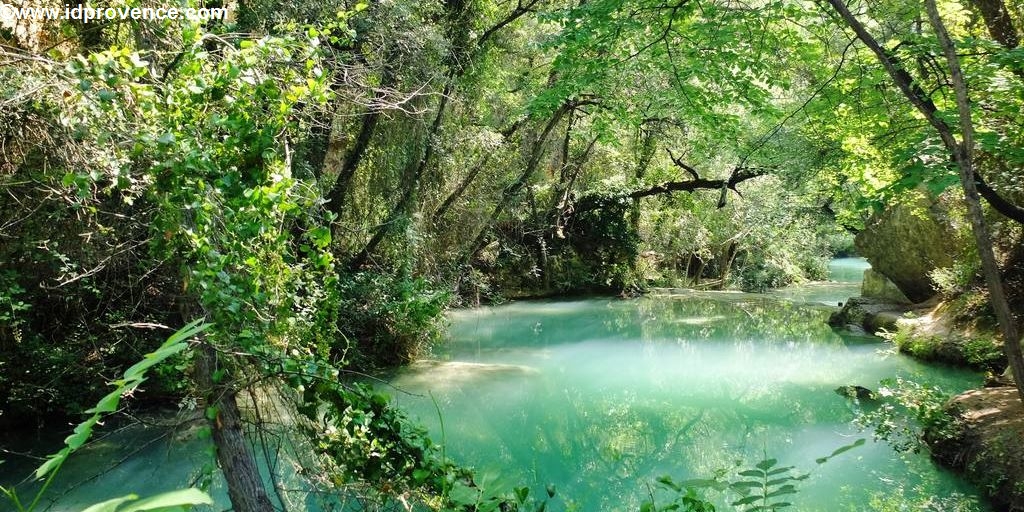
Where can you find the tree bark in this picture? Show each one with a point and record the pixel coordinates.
(237, 463)
(998, 21)
(997, 202)
(697, 183)
(370, 119)
(513, 189)
(468, 180)
(401, 208)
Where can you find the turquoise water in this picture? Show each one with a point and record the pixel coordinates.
(845, 276)
(601, 397)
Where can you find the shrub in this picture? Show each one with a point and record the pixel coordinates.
(390, 317)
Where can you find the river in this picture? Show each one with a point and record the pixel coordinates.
(600, 397)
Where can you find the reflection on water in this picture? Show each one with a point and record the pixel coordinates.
(601, 397)
(845, 276)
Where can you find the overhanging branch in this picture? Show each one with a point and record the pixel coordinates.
(737, 176)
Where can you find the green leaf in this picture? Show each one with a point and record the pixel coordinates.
(746, 501)
(702, 483)
(111, 505)
(522, 493)
(752, 472)
(766, 464)
(53, 462)
(667, 482)
(173, 500)
(107, 404)
(136, 371)
(781, 491)
(461, 494)
(745, 485)
(81, 433)
(189, 330)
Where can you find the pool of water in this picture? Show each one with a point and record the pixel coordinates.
(600, 397)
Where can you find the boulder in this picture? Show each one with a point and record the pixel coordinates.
(876, 286)
(864, 314)
(908, 240)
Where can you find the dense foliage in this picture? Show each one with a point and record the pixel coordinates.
(319, 181)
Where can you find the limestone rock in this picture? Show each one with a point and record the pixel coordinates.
(877, 286)
(906, 241)
(871, 315)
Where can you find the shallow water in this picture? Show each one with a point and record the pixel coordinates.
(601, 397)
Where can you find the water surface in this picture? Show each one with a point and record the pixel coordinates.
(600, 397)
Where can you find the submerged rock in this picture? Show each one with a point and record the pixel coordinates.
(457, 373)
(858, 392)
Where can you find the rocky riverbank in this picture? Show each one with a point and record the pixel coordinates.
(926, 331)
(988, 447)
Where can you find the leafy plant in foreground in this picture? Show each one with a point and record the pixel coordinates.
(761, 488)
(173, 501)
(371, 441)
(908, 413)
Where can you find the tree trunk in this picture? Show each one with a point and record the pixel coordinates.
(997, 20)
(647, 139)
(459, 190)
(964, 157)
(513, 189)
(468, 180)
(237, 463)
(412, 184)
(336, 196)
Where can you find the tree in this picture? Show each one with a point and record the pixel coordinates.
(961, 154)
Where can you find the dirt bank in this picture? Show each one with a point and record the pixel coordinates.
(989, 449)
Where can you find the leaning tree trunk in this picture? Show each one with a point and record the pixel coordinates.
(405, 201)
(536, 153)
(964, 153)
(237, 463)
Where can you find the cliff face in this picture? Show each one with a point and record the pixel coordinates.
(906, 241)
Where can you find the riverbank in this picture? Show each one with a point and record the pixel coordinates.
(989, 445)
(928, 331)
